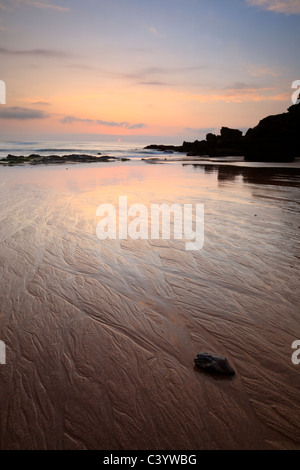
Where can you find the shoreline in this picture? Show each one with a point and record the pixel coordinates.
(52, 160)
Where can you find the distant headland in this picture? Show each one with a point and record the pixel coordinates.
(274, 139)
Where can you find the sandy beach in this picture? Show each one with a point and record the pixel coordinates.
(101, 335)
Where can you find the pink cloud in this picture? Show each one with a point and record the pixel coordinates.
(289, 7)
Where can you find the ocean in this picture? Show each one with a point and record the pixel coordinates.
(131, 150)
(115, 149)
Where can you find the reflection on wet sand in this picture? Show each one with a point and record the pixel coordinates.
(252, 175)
(101, 336)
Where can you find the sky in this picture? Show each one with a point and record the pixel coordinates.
(155, 71)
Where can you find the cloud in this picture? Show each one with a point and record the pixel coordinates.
(71, 119)
(289, 7)
(50, 53)
(100, 122)
(262, 71)
(171, 70)
(238, 96)
(136, 49)
(151, 76)
(45, 5)
(155, 83)
(159, 76)
(156, 33)
(4, 7)
(111, 123)
(239, 92)
(126, 125)
(141, 125)
(241, 86)
(22, 114)
(41, 103)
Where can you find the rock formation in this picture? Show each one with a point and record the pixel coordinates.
(274, 139)
(35, 159)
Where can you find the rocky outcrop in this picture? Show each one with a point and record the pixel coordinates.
(35, 159)
(228, 143)
(275, 138)
(162, 148)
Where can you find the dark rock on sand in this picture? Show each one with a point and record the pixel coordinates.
(213, 363)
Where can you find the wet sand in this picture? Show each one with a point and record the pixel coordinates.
(101, 335)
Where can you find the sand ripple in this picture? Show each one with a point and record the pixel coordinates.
(101, 336)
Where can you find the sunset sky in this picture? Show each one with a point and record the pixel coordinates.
(144, 69)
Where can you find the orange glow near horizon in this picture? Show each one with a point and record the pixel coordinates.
(142, 110)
